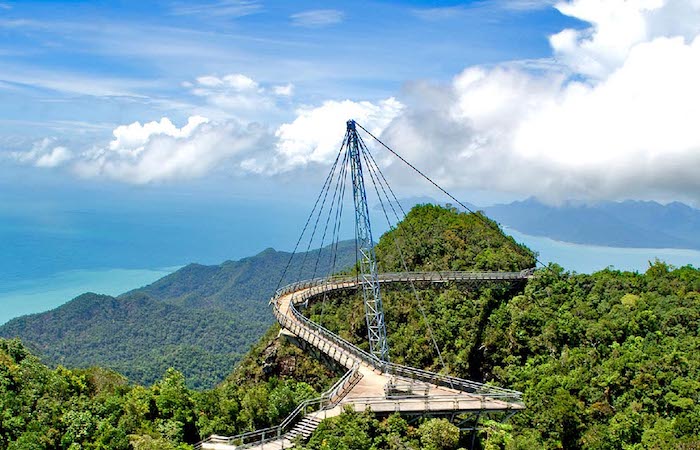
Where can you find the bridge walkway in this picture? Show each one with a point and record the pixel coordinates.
(370, 383)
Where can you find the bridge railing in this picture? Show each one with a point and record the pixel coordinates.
(471, 387)
(438, 402)
(327, 400)
(407, 276)
(446, 381)
(314, 333)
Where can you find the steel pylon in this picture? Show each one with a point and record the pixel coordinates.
(371, 294)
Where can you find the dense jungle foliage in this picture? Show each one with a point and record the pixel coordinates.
(433, 237)
(94, 408)
(605, 361)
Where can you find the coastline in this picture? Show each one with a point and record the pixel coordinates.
(45, 293)
(588, 258)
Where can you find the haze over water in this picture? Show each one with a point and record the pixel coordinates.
(591, 258)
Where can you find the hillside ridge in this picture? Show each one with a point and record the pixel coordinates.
(200, 319)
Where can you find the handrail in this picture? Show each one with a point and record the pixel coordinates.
(406, 276)
(419, 398)
(327, 400)
(463, 385)
(314, 287)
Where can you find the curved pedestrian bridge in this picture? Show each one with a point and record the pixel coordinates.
(369, 382)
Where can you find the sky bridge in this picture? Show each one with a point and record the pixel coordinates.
(371, 381)
(384, 388)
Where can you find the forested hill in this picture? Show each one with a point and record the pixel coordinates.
(251, 279)
(605, 361)
(199, 320)
(440, 238)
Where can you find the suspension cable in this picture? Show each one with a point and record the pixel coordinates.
(318, 217)
(336, 232)
(372, 168)
(478, 215)
(338, 217)
(336, 190)
(308, 220)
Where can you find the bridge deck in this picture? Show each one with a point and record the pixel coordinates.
(365, 383)
(369, 391)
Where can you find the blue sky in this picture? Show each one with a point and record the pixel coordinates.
(79, 69)
(111, 108)
(72, 72)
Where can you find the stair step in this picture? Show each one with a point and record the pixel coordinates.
(304, 431)
(303, 435)
(304, 428)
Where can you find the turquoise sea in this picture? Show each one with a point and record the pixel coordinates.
(591, 258)
(50, 252)
(43, 294)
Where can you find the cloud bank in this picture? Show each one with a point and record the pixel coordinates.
(612, 115)
(160, 151)
(617, 119)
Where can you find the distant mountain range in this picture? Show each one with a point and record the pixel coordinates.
(642, 224)
(614, 224)
(200, 319)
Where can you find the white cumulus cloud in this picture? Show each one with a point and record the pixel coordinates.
(616, 118)
(54, 158)
(617, 26)
(160, 151)
(317, 132)
(132, 139)
(44, 153)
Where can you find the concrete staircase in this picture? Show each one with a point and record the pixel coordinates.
(305, 428)
(301, 431)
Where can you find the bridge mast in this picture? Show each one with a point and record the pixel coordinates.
(374, 313)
